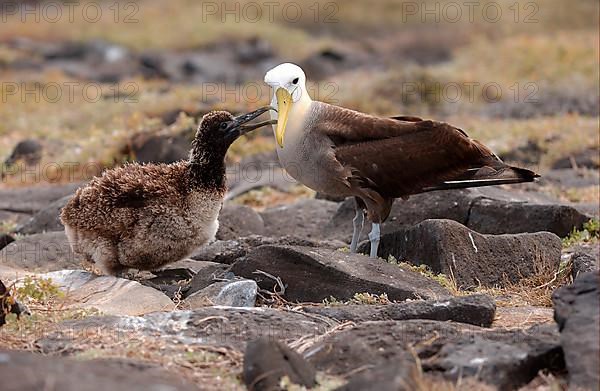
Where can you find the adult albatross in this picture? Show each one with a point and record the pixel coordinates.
(343, 152)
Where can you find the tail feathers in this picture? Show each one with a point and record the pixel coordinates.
(487, 176)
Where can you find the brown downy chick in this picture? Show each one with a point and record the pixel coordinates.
(146, 216)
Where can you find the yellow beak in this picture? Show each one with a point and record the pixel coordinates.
(284, 103)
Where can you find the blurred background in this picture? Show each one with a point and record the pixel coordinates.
(92, 84)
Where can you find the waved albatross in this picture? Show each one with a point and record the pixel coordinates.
(145, 216)
(343, 152)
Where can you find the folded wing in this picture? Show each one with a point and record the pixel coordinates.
(400, 156)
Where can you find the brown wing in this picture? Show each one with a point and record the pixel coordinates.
(405, 155)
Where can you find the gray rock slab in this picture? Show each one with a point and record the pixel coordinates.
(470, 258)
(313, 274)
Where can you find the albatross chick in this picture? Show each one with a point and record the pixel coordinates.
(145, 216)
(343, 152)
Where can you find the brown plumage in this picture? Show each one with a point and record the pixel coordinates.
(387, 158)
(145, 216)
(343, 152)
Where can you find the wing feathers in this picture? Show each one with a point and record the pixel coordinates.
(405, 155)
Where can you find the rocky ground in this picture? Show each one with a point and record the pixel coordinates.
(491, 288)
(481, 289)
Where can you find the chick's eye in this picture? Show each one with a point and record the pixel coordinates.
(223, 125)
(295, 81)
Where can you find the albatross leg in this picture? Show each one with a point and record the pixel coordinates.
(357, 223)
(374, 236)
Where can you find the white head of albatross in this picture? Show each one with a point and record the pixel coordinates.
(289, 89)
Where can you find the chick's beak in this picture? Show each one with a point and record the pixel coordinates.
(240, 123)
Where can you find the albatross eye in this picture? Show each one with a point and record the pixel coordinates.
(295, 81)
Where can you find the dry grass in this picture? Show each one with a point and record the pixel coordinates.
(249, 145)
(585, 194)
(549, 57)
(47, 306)
(526, 68)
(190, 24)
(559, 49)
(532, 291)
(210, 367)
(81, 138)
(268, 197)
(547, 382)
(22, 333)
(175, 25)
(561, 136)
(535, 290)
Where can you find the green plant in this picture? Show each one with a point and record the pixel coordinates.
(325, 382)
(423, 269)
(593, 227)
(332, 301)
(440, 278)
(369, 298)
(7, 226)
(589, 233)
(359, 298)
(41, 290)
